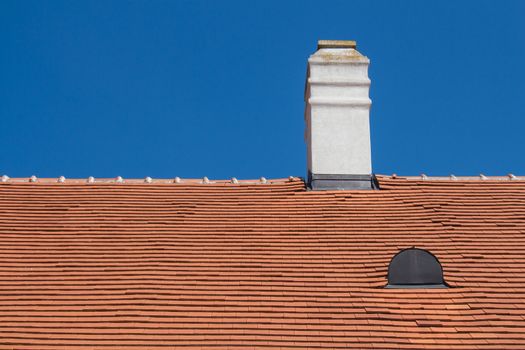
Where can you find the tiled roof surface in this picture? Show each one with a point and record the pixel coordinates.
(258, 266)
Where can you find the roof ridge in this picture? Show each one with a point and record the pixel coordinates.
(149, 180)
(452, 177)
(234, 181)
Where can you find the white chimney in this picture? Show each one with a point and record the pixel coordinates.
(338, 117)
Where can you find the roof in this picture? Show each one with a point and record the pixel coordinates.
(253, 265)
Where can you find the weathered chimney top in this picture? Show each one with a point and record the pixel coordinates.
(336, 44)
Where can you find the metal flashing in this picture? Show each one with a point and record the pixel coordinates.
(416, 286)
(319, 182)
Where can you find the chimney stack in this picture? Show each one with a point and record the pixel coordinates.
(337, 115)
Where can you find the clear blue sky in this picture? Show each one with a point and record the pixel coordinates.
(215, 88)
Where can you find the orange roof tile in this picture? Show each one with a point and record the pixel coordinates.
(248, 265)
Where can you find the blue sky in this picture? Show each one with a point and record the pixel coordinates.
(215, 88)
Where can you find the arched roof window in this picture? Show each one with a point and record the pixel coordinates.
(415, 268)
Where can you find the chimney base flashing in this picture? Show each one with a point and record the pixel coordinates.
(320, 182)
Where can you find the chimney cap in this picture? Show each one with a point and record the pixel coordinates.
(336, 44)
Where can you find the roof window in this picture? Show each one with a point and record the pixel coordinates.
(415, 268)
